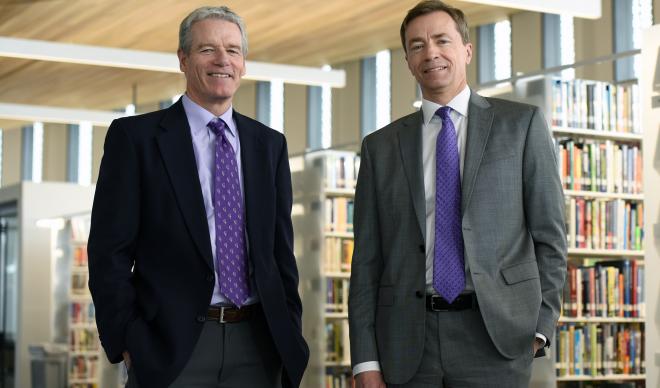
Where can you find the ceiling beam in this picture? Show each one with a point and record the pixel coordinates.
(41, 50)
(49, 114)
(588, 9)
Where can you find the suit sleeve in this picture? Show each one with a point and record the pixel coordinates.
(114, 227)
(283, 251)
(366, 265)
(544, 210)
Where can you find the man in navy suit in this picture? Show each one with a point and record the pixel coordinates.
(191, 259)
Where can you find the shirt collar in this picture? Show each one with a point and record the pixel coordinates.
(459, 104)
(198, 117)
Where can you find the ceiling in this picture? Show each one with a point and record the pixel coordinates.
(301, 32)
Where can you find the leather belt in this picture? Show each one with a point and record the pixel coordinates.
(230, 314)
(462, 302)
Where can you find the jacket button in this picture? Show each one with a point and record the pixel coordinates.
(201, 318)
(421, 248)
(419, 294)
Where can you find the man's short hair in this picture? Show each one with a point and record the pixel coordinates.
(203, 13)
(429, 6)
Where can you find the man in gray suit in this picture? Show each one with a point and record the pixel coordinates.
(460, 243)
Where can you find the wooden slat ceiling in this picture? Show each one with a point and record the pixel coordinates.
(302, 32)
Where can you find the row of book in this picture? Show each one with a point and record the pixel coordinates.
(604, 224)
(337, 254)
(339, 380)
(336, 300)
(596, 105)
(341, 170)
(79, 283)
(605, 289)
(600, 166)
(338, 348)
(599, 349)
(83, 339)
(339, 214)
(82, 312)
(80, 256)
(83, 367)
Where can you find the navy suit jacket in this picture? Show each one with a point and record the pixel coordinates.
(150, 262)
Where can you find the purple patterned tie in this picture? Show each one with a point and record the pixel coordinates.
(230, 250)
(448, 263)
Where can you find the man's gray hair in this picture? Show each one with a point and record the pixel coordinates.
(222, 13)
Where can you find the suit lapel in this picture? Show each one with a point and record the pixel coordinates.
(410, 144)
(480, 120)
(175, 144)
(253, 161)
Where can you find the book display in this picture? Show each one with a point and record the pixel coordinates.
(323, 190)
(84, 346)
(597, 132)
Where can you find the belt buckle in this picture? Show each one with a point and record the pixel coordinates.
(437, 309)
(222, 315)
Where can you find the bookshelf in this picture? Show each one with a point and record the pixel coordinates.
(323, 190)
(597, 131)
(650, 83)
(85, 353)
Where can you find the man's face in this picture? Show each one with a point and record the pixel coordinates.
(215, 64)
(436, 55)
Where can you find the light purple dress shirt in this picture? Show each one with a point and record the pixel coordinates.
(204, 146)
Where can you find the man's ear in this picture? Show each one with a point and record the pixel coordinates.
(182, 60)
(468, 47)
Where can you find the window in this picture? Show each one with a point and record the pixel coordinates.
(494, 51)
(319, 117)
(1, 157)
(79, 160)
(33, 151)
(375, 92)
(631, 17)
(277, 105)
(270, 103)
(559, 43)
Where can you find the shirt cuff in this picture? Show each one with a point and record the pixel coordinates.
(365, 367)
(544, 338)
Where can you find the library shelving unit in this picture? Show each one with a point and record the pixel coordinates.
(597, 132)
(323, 191)
(85, 351)
(650, 92)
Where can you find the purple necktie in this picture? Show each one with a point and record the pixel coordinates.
(230, 250)
(448, 263)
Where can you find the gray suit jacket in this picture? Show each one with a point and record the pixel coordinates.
(513, 231)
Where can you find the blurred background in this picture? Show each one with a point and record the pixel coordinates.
(326, 74)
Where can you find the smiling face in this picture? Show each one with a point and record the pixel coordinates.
(437, 56)
(215, 64)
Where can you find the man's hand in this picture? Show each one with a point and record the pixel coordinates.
(538, 344)
(127, 359)
(369, 379)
